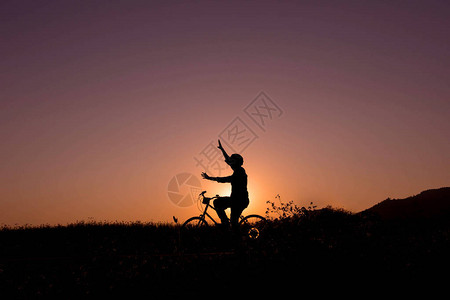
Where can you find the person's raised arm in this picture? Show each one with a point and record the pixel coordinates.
(223, 151)
(206, 176)
(218, 179)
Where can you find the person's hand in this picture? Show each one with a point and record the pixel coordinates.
(220, 145)
(205, 176)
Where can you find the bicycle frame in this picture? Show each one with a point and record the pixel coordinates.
(207, 200)
(205, 213)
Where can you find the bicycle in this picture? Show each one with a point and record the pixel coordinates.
(251, 225)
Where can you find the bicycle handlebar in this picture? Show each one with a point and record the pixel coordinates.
(206, 199)
(203, 195)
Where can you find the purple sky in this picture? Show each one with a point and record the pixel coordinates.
(103, 102)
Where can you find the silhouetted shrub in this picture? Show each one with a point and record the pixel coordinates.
(287, 210)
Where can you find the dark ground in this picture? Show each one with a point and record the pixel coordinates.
(313, 250)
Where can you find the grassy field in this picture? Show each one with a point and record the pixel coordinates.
(298, 247)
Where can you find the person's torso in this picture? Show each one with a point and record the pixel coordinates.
(239, 183)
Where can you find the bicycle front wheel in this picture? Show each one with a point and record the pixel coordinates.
(194, 222)
(191, 235)
(253, 226)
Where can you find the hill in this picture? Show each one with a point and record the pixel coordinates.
(428, 204)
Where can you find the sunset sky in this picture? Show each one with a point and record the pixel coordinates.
(102, 103)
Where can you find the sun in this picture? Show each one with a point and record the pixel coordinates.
(257, 199)
(222, 190)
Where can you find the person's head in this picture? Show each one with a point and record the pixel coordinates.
(235, 161)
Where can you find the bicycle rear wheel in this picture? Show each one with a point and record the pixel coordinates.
(253, 226)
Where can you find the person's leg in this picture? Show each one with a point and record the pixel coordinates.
(235, 214)
(220, 204)
(237, 207)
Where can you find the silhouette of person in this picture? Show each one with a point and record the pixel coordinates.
(238, 200)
